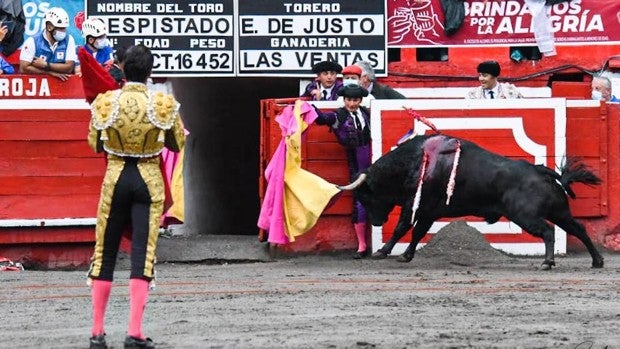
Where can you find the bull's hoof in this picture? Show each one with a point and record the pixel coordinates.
(379, 255)
(405, 258)
(598, 263)
(547, 265)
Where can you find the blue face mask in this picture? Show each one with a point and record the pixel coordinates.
(59, 35)
(597, 95)
(346, 82)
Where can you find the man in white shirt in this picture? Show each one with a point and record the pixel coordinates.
(52, 51)
(489, 87)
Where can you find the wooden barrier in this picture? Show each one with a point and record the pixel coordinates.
(50, 177)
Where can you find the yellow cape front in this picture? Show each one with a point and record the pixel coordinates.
(305, 194)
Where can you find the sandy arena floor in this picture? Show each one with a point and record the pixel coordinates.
(469, 296)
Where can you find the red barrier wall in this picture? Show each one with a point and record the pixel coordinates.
(49, 175)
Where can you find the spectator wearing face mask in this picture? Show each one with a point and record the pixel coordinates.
(51, 51)
(601, 90)
(351, 74)
(95, 34)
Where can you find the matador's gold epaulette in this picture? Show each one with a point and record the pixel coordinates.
(166, 110)
(104, 109)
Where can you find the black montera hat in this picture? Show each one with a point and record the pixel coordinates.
(489, 67)
(353, 91)
(326, 66)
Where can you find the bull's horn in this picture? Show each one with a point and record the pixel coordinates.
(355, 184)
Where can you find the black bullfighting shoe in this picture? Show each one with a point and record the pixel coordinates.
(98, 342)
(137, 343)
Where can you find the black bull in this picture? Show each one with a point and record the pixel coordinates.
(486, 185)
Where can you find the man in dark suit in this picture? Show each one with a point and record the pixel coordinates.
(377, 90)
(326, 85)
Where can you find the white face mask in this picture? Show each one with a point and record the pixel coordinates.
(597, 95)
(59, 36)
(100, 43)
(346, 82)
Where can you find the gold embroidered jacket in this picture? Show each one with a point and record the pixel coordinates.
(136, 122)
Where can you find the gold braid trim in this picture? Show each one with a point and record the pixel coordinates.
(162, 109)
(163, 105)
(104, 109)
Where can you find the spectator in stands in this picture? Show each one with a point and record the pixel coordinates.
(601, 89)
(351, 125)
(375, 89)
(351, 74)
(5, 67)
(115, 70)
(94, 32)
(13, 17)
(52, 51)
(490, 88)
(326, 85)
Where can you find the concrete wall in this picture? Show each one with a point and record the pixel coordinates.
(222, 151)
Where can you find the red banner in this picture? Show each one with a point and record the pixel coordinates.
(421, 23)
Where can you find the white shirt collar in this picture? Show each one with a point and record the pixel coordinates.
(495, 92)
(360, 117)
(52, 46)
(370, 87)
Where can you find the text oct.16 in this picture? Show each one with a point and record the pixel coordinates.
(193, 61)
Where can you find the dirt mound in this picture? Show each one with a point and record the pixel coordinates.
(460, 244)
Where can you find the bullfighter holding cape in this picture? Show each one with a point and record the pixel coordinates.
(295, 198)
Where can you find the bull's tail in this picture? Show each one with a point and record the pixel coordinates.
(575, 171)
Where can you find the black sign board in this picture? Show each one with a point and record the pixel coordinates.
(284, 38)
(248, 37)
(187, 38)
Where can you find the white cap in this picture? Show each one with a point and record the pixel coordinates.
(94, 27)
(58, 17)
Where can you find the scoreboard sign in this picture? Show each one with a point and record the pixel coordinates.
(533, 130)
(248, 37)
(187, 38)
(283, 38)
